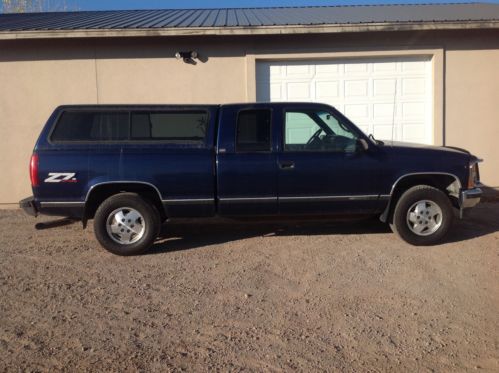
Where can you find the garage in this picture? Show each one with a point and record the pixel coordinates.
(416, 73)
(390, 98)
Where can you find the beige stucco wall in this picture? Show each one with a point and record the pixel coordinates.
(36, 76)
(472, 106)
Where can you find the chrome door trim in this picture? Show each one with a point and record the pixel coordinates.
(122, 182)
(384, 215)
(187, 201)
(247, 199)
(360, 197)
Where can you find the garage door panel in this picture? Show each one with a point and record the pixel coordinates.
(364, 129)
(413, 132)
(298, 91)
(356, 88)
(301, 71)
(385, 67)
(383, 131)
(327, 89)
(383, 111)
(384, 87)
(327, 70)
(355, 68)
(414, 86)
(358, 112)
(414, 66)
(413, 110)
(382, 96)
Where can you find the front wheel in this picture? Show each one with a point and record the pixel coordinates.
(422, 215)
(126, 224)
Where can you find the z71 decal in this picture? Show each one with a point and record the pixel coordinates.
(61, 177)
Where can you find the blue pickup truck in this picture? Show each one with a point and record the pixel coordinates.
(130, 168)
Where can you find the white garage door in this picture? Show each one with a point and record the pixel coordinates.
(390, 98)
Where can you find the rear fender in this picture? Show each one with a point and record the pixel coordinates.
(97, 193)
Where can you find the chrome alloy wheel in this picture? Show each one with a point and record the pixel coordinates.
(125, 225)
(424, 218)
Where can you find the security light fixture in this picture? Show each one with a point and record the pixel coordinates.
(187, 56)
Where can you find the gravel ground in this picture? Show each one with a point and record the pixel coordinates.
(320, 296)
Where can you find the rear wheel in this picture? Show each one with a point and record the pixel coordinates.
(126, 224)
(422, 215)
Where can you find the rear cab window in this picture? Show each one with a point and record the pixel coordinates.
(253, 132)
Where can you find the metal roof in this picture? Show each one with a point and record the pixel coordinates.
(248, 17)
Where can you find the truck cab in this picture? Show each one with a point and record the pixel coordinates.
(294, 159)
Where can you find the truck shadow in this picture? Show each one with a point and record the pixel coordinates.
(185, 235)
(194, 233)
(483, 220)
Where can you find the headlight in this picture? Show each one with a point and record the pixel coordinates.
(474, 174)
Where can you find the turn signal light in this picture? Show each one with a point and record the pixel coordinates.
(474, 176)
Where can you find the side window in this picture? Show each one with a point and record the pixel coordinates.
(174, 126)
(91, 126)
(299, 128)
(317, 130)
(253, 131)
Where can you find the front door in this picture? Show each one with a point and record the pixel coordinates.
(323, 167)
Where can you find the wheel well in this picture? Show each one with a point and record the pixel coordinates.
(446, 183)
(100, 193)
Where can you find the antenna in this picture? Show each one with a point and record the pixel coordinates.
(394, 107)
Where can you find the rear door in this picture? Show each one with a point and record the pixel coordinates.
(246, 161)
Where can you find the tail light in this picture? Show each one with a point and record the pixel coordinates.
(33, 170)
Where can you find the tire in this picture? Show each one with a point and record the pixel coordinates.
(422, 216)
(125, 224)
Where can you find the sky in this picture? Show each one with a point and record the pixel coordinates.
(173, 4)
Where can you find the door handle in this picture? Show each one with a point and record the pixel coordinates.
(286, 165)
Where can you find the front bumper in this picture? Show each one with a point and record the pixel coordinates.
(469, 198)
(29, 206)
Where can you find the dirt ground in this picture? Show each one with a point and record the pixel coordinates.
(315, 296)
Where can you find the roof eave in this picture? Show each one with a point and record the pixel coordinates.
(253, 30)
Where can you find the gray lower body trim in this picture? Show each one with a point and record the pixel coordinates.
(62, 204)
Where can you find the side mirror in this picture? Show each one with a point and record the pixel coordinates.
(363, 145)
